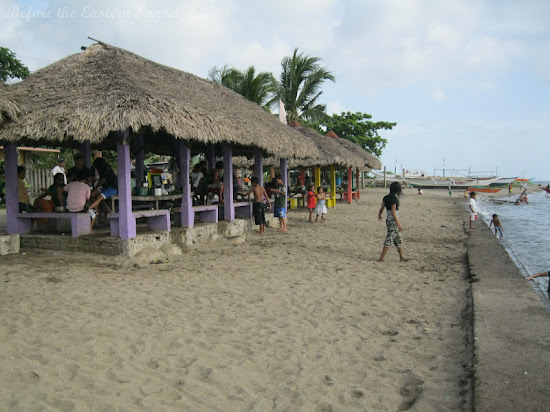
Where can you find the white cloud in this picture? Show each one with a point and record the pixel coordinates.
(439, 95)
(395, 59)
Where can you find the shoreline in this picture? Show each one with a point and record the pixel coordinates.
(307, 320)
(511, 329)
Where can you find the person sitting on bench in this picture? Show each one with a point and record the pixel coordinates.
(212, 180)
(107, 186)
(78, 193)
(24, 200)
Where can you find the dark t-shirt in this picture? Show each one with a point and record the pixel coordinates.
(390, 200)
(52, 191)
(111, 179)
(280, 198)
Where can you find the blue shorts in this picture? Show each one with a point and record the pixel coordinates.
(107, 192)
(279, 212)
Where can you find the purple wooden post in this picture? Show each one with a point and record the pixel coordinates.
(211, 157)
(259, 166)
(15, 225)
(139, 153)
(283, 169)
(87, 153)
(126, 220)
(228, 208)
(184, 154)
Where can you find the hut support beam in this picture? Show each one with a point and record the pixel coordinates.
(184, 154)
(283, 167)
(86, 151)
(259, 166)
(126, 220)
(350, 183)
(15, 225)
(302, 177)
(139, 153)
(317, 177)
(211, 157)
(228, 209)
(332, 185)
(357, 182)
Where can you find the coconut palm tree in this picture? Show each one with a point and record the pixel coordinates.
(256, 88)
(226, 76)
(299, 87)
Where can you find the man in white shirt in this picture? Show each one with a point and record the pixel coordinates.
(60, 168)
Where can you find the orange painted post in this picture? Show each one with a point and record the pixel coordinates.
(357, 182)
(302, 177)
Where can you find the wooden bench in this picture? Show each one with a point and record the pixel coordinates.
(80, 222)
(205, 213)
(156, 220)
(354, 195)
(243, 210)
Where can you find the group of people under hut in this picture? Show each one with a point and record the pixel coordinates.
(76, 190)
(81, 189)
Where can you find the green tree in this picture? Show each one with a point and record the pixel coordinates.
(256, 88)
(299, 87)
(226, 76)
(10, 67)
(358, 128)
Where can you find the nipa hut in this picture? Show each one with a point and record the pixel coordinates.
(106, 98)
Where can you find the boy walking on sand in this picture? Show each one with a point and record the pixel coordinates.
(258, 209)
(280, 202)
(473, 209)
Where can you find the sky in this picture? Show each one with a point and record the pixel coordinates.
(466, 81)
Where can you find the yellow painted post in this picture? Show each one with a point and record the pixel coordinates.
(332, 185)
(317, 176)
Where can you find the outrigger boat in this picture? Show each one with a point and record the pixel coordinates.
(483, 189)
(456, 183)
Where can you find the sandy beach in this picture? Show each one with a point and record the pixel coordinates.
(307, 320)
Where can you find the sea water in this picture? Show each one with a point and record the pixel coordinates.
(526, 234)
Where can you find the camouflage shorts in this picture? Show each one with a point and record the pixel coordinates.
(394, 235)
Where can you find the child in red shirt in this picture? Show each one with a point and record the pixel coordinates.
(311, 201)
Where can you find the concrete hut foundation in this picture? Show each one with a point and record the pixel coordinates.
(101, 242)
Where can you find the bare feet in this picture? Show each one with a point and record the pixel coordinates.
(381, 260)
(404, 260)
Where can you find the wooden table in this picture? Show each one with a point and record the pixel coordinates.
(152, 199)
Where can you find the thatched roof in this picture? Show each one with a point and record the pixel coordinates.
(9, 106)
(369, 160)
(330, 153)
(105, 89)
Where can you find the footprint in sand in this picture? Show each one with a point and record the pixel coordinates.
(328, 380)
(410, 391)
